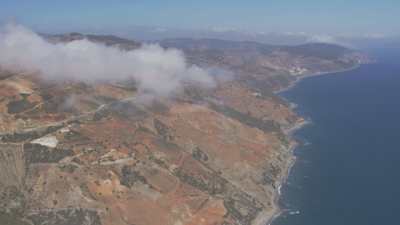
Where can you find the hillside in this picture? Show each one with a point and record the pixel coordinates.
(273, 66)
(97, 154)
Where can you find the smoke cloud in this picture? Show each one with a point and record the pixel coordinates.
(156, 70)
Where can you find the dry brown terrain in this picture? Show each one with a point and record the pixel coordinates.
(74, 153)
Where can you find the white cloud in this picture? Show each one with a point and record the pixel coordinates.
(322, 38)
(157, 70)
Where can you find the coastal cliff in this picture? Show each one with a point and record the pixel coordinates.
(77, 153)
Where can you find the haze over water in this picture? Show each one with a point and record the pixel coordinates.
(348, 171)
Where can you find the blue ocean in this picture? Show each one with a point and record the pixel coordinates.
(348, 167)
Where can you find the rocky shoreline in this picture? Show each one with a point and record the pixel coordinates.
(266, 218)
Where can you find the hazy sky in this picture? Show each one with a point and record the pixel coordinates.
(312, 16)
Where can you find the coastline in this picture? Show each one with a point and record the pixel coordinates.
(267, 217)
(301, 77)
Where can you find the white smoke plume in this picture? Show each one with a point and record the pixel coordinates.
(156, 70)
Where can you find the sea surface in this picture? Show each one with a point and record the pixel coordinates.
(348, 168)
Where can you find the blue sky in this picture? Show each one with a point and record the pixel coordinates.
(311, 16)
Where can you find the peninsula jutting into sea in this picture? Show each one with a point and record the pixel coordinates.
(212, 148)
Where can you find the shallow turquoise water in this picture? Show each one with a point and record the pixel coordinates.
(348, 171)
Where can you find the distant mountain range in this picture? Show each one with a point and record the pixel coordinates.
(149, 33)
(245, 58)
(109, 40)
